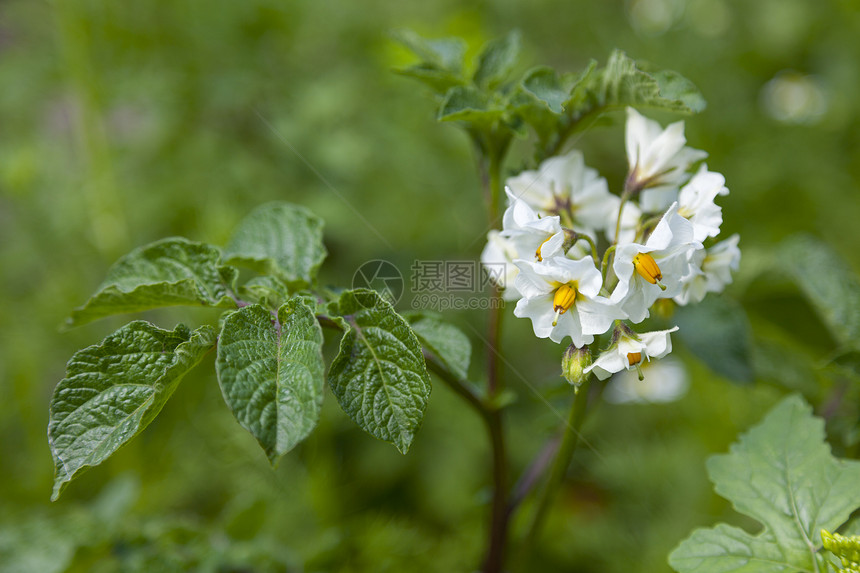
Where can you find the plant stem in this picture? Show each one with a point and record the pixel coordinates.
(499, 510)
(569, 441)
(495, 187)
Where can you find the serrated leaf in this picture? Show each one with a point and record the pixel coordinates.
(675, 87)
(271, 373)
(466, 103)
(442, 53)
(169, 272)
(717, 331)
(379, 376)
(782, 474)
(582, 91)
(265, 290)
(497, 60)
(827, 282)
(446, 342)
(279, 239)
(113, 390)
(438, 79)
(544, 85)
(622, 83)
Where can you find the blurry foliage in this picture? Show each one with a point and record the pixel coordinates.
(126, 122)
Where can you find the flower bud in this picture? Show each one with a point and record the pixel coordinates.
(573, 362)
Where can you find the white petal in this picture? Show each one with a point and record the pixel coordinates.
(539, 310)
(597, 315)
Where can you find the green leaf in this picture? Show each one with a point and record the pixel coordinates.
(623, 83)
(782, 474)
(544, 85)
(675, 87)
(497, 60)
(169, 272)
(265, 290)
(279, 239)
(113, 390)
(379, 376)
(446, 342)
(443, 53)
(438, 79)
(271, 373)
(466, 103)
(717, 331)
(582, 96)
(827, 282)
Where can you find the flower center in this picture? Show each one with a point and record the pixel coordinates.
(647, 268)
(564, 298)
(537, 252)
(634, 358)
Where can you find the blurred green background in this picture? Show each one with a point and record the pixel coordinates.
(121, 123)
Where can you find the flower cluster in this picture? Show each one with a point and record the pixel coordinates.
(580, 260)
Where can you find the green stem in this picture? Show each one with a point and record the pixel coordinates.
(590, 242)
(625, 196)
(499, 513)
(495, 186)
(569, 441)
(604, 267)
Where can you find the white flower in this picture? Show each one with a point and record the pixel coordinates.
(565, 184)
(533, 237)
(710, 270)
(665, 381)
(525, 235)
(498, 260)
(658, 160)
(629, 349)
(561, 298)
(696, 203)
(653, 270)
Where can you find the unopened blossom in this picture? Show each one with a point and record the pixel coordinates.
(710, 270)
(654, 269)
(696, 203)
(659, 161)
(629, 349)
(561, 297)
(564, 184)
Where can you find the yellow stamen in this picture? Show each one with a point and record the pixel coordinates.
(564, 298)
(647, 268)
(537, 252)
(634, 358)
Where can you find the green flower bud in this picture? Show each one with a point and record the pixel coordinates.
(573, 362)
